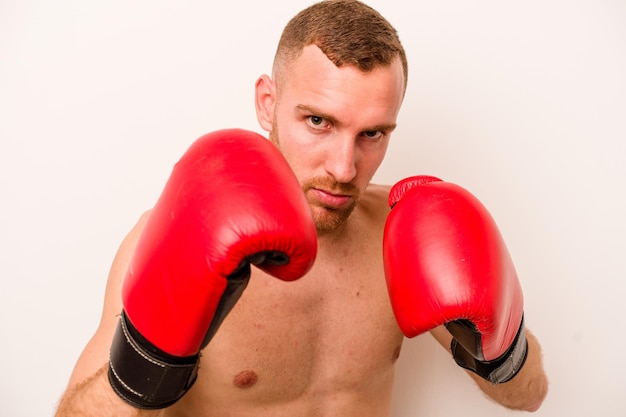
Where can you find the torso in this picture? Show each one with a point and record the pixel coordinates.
(324, 345)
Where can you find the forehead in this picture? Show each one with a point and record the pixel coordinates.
(313, 80)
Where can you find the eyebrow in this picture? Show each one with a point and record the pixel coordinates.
(303, 108)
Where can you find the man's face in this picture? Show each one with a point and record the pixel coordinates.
(333, 126)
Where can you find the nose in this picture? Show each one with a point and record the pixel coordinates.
(341, 159)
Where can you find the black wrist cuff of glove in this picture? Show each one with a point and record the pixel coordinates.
(498, 370)
(143, 375)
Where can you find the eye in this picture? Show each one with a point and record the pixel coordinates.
(373, 134)
(317, 121)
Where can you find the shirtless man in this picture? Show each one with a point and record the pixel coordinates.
(324, 344)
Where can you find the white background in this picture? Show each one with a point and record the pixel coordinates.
(521, 102)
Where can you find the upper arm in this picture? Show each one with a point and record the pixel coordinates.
(96, 352)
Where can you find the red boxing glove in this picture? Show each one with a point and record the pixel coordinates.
(446, 263)
(231, 200)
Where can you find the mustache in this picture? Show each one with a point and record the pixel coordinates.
(330, 185)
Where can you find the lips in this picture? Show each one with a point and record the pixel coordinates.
(329, 199)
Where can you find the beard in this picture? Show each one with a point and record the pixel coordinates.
(329, 219)
(326, 219)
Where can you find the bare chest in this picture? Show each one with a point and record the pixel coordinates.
(329, 334)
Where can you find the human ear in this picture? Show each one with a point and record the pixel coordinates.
(264, 99)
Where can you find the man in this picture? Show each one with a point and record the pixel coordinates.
(324, 343)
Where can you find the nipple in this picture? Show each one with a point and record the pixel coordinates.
(245, 379)
(396, 354)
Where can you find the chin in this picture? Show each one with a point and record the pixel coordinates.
(330, 220)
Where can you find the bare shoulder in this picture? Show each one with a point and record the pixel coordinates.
(379, 190)
(374, 201)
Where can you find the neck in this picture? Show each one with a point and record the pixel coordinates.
(338, 236)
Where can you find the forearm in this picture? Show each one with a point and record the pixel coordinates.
(527, 390)
(95, 397)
